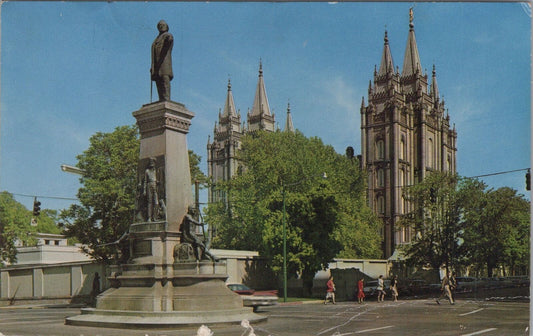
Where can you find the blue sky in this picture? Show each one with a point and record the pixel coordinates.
(69, 70)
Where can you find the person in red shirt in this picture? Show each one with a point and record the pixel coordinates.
(330, 290)
(360, 292)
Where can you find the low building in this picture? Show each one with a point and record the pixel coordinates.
(50, 249)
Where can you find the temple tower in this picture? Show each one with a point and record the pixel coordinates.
(405, 134)
(222, 161)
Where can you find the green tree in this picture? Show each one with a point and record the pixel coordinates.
(14, 225)
(496, 229)
(107, 196)
(436, 220)
(325, 217)
(196, 173)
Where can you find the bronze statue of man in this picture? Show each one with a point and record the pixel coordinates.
(161, 70)
(188, 235)
(150, 191)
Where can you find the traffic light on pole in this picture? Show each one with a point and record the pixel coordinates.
(528, 180)
(432, 196)
(36, 207)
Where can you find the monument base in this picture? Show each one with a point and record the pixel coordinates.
(125, 319)
(167, 296)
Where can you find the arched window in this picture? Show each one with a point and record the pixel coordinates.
(381, 204)
(430, 153)
(449, 163)
(381, 178)
(380, 149)
(403, 148)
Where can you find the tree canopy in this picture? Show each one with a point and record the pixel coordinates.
(496, 229)
(325, 218)
(436, 219)
(107, 196)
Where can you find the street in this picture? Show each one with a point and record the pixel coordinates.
(410, 317)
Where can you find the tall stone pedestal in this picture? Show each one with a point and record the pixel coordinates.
(153, 289)
(195, 294)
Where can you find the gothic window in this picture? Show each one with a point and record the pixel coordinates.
(380, 149)
(381, 204)
(381, 178)
(401, 183)
(430, 153)
(449, 163)
(403, 148)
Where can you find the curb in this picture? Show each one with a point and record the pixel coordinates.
(295, 303)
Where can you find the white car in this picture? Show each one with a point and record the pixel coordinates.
(253, 298)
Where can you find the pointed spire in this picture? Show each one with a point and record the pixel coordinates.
(289, 126)
(260, 106)
(229, 107)
(386, 65)
(434, 86)
(411, 61)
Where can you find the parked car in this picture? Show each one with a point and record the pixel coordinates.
(370, 288)
(519, 281)
(253, 298)
(414, 287)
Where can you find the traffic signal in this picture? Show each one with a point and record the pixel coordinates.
(36, 207)
(432, 196)
(528, 181)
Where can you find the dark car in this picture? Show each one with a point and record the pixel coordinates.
(253, 298)
(416, 287)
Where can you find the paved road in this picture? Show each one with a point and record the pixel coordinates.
(411, 317)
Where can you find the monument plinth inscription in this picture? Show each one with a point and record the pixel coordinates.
(171, 278)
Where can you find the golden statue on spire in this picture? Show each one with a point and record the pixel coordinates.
(411, 15)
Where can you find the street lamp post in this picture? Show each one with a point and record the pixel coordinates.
(284, 249)
(284, 222)
(73, 170)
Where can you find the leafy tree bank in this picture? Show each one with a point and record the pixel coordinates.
(107, 197)
(460, 222)
(325, 217)
(15, 225)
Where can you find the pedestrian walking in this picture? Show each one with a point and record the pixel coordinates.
(446, 288)
(394, 288)
(381, 289)
(96, 288)
(330, 290)
(360, 290)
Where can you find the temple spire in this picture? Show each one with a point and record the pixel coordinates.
(229, 107)
(289, 126)
(387, 64)
(260, 106)
(411, 61)
(434, 86)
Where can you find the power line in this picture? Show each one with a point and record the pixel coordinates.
(500, 173)
(49, 197)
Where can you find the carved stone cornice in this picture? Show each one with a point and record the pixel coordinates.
(153, 119)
